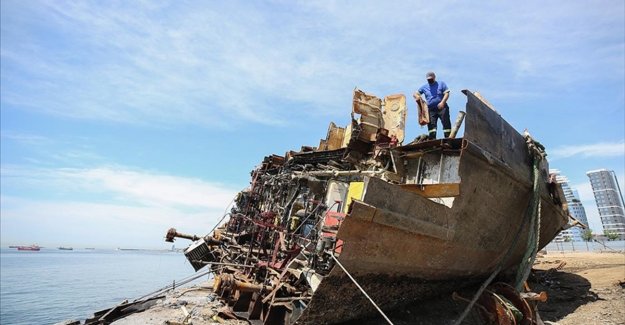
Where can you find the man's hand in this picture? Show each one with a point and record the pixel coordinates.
(443, 102)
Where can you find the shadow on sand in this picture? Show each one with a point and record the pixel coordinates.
(566, 292)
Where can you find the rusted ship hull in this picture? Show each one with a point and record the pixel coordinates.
(433, 216)
(396, 258)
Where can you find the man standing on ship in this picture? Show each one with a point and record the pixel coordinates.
(436, 95)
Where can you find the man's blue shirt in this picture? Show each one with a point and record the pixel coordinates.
(433, 93)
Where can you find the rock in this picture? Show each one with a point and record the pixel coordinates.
(69, 322)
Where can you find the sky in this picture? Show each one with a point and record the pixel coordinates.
(121, 119)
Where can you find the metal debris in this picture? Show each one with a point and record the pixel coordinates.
(407, 221)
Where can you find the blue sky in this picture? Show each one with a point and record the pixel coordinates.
(120, 119)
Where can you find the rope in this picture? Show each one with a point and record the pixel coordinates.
(361, 289)
(537, 152)
(224, 264)
(226, 213)
(178, 283)
(604, 245)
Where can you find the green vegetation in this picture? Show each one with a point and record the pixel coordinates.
(587, 235)
(611, 235)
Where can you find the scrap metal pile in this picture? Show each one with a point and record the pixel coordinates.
(280, 241)
(280, 238)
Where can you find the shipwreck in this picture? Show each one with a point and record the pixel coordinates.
(362, 221)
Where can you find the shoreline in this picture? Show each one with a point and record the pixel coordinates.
(582, 288)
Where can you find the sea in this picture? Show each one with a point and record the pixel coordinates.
(52, 285)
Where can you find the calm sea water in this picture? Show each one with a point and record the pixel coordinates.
(50, 286)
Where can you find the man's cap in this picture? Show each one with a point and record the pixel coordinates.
(430, 75)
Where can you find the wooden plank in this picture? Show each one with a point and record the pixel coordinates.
(433, 190)
(370, 109)
(334, 139)
(347, 135)
(323, 145)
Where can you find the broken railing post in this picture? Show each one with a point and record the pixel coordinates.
(457, 125)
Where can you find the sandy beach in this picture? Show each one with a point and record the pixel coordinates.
(582, 288)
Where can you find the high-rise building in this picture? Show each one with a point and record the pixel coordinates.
(609, 200)
(576, 209)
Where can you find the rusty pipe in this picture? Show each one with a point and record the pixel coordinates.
(172, 234)
(459, 119)
(335, 173)
(248, 287)
(228, 281)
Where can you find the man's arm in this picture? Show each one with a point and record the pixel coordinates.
(443, 102)
(418, 93)
(441, 105)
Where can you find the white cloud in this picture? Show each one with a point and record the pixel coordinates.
(214, 64)
(122, 184)
(154, 189)
(106, 205)
(26, 138)
(53, 223)
(597, 150)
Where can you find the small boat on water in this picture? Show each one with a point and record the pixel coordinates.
(66, 248)
(34, 248)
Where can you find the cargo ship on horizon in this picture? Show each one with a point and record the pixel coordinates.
(33, 248)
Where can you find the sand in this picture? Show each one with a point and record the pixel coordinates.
(583, 288)
(588, 288)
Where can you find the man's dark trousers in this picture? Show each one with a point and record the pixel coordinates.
(435, 114)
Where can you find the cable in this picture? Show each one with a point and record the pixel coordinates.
(226, 213)
(177, 283)
(361, 289)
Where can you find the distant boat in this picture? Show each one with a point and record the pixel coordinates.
(89, 248)
(29, 248)
(66, 248)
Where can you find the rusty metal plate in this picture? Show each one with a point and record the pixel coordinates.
(395, 115)
(485, 128)
(370, 109)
